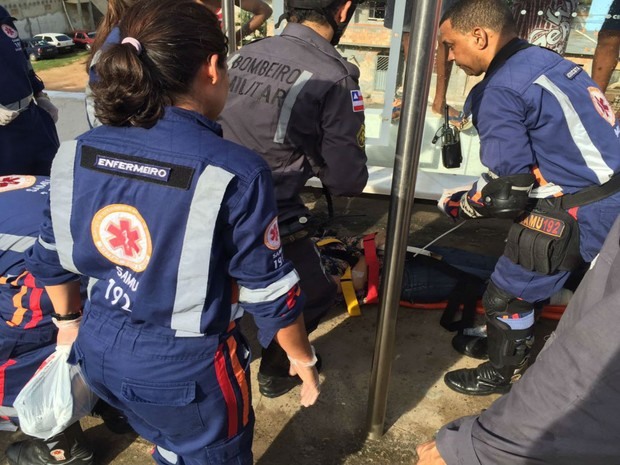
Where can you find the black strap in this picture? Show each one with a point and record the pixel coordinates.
(591, 194)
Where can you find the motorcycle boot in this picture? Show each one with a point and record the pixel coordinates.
(508, 358)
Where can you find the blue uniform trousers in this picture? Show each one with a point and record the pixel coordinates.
(21, 353)
(189, 396)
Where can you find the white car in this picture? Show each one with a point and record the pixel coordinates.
(63, 42)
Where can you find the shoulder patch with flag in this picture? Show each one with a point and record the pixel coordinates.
(357, 100)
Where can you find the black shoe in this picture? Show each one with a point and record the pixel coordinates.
(37, 452)
(275, 386)
(112, 418)
(481, 381)
(472, 346)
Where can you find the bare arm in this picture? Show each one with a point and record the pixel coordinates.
(65, 297)
(261, 11)
(67, 302)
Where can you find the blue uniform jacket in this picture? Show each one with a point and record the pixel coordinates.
(537, 112)
(173, 225)
(17, 79)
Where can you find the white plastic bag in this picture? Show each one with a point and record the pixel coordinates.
(54, 398)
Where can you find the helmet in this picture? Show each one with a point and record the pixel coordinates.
(321, 7)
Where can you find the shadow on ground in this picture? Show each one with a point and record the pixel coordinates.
(334, 431)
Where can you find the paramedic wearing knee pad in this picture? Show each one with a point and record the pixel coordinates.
(27, 333)
(563, 411)
(296, 101)
(176, 230)
(551, 143)
(28, 138)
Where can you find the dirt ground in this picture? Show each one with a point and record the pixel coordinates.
(70, 78)
(334, 431)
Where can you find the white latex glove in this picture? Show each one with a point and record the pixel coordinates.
(310, 389)
(67, 331)
(44, 102)
(6, 115)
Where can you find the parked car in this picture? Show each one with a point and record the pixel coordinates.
(37, 49)
(63, 42)
(83, 39)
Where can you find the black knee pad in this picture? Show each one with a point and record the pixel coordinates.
(498, 302)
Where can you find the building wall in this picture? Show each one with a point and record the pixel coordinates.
(36, 16)
(363, 42)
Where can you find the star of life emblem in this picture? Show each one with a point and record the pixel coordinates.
(11, 183)
(602, 105)
(272, 235)
(122, 236)
(9, 31)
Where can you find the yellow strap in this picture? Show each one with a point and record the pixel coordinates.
(348, 291)
(327, 241)
(346, 284)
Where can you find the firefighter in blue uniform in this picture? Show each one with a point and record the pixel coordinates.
(28, 138)
(296, 101)
(27, 335)
(551, 143)
(177, 231)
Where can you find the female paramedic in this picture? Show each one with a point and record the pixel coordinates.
(176, 230)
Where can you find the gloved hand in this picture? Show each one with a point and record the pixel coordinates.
(67, 331)
(429, 455)
(310, 389)
(44, 102)
(6, 115)
(449, 202)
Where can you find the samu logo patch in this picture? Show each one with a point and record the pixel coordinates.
(12, 183)
(122, 236)
(9, 31)
(544, 224)
(602, 105)
(272, 235)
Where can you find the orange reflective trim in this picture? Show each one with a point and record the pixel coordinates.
(20, 310)
(241, 379)
(549, 312)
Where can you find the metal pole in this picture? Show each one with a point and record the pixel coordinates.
(417, 78)
(228, 18)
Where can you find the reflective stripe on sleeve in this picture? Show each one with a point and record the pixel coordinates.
(16, 243)
(47, 245)
(287, 106)
(193, 275)
(61, 202)
(269, 293)
(591, 155)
